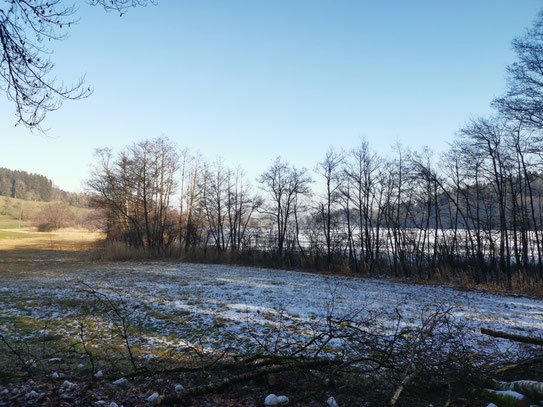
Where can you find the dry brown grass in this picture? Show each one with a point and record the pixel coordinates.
(60, 240)
(118, 251)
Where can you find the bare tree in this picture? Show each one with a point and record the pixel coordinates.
(523, 100)
(215, 189)
(363, 173)
(485, 137)
(330, 170)
(191, 214)
(283, 184)
(54, 216)
(241, 205)
(135, 190)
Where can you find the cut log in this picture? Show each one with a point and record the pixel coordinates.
(530, 388)
(513, 337)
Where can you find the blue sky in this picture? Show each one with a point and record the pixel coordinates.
(250, 80)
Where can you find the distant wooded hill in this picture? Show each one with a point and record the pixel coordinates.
(36, 187)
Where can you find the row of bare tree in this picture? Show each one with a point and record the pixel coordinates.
(476, 208)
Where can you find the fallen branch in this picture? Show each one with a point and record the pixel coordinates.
(254, 361)
(244, 377)
(522, 364)
(529, 388)
(405, 382)
(513, 337)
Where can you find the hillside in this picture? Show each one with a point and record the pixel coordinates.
(35, 187)
(21, 184)
(18, 213)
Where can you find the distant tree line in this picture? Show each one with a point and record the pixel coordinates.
(475, 211)
(24, 185)
(36, 187)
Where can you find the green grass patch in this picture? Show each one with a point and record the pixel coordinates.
(10, 234)
(7, 222)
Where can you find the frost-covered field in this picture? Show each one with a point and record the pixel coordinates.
(172, 303)
(73, 331)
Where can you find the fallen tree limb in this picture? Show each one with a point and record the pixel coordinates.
(405, 382)
(244, 377)
(528, 388)
(255, 361)
(522, 364)
(513, 337)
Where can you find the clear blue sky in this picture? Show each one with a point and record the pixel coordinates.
(250, 80)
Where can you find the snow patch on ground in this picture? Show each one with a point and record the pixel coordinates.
(170, 300)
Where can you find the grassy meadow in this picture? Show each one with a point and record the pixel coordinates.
(18, 233)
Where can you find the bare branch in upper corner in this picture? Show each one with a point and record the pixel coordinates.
(26, 69)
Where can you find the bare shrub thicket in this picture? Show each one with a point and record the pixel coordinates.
(54, 216)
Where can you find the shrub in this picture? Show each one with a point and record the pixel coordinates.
(54, 216)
